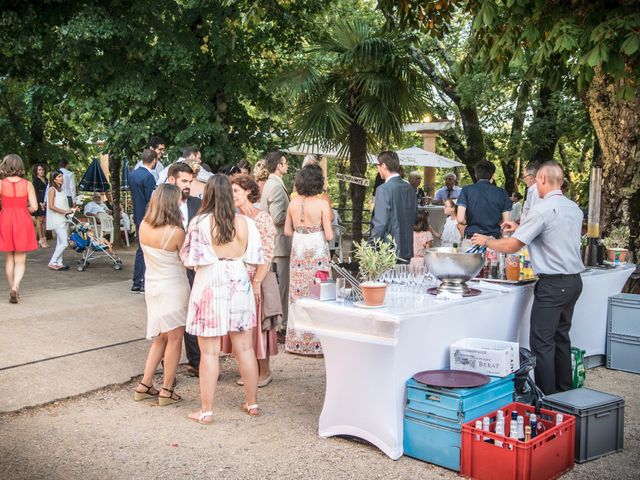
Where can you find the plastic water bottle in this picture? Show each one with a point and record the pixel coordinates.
(520, 425)
(478, 427)
(486, 422)
(499, 431)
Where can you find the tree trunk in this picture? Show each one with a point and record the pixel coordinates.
(115, 167)
(474, 136)
(543, 128)
(511, 165)
(357, 168)
(342, 186)
(617, 125)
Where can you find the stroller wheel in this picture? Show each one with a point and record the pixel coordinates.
(117, 266)
(80, 268)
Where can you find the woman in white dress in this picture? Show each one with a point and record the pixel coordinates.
(219, 243)
(57, 209)
(166, 291)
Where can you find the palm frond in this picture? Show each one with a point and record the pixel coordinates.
(322, 122)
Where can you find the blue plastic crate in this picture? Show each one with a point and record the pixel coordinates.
(434, 416)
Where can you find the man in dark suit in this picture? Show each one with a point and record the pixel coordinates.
(395, 206)
(181, 174)
(142, 184)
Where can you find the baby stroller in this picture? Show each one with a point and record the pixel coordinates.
(91, 248)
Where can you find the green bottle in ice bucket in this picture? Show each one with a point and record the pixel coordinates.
(577, 367)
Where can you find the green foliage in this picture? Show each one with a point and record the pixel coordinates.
(618, 237)
(375, 258)
(355, 74)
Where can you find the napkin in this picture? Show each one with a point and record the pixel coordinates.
(446, 295)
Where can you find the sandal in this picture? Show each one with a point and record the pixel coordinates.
(13, 296)
(172, 398)
(251, 408)
(201, 416)
(146, 394)
(54, 267)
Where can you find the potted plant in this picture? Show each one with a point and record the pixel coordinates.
(617, 243)
(374, 258)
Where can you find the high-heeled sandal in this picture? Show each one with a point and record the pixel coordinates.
(172, 398)
(146, 394)
(246, 408)
(201, 417)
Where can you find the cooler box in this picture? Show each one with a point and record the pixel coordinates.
(599, 420)
(623, 332)
(433, 417)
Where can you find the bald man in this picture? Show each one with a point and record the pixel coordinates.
(552, 230)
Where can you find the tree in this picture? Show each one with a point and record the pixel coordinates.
(594, 44)
(355, 88)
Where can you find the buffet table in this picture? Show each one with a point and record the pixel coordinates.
(369, 354)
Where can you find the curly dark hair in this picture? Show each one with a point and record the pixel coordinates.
(422, 221)
(248, 184)
(310, 181)
(218, 201)
(34, 170)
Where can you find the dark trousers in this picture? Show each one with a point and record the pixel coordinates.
(139, 266)
(555, 296)
(191, 347)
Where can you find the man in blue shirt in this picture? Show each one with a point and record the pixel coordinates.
(142, 184)
(483, 207)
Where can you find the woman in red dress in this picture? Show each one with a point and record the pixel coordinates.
(17, 235)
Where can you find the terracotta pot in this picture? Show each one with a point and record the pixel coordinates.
(620, 252)
(373, 293)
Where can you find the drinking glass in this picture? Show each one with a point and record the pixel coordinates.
(343, 290)
(340, 290)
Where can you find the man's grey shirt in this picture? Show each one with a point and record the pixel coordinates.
(553, 229)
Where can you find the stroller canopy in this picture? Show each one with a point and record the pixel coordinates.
(94, 179)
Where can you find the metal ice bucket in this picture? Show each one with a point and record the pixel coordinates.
(453, 267)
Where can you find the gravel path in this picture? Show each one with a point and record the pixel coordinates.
(104, 434)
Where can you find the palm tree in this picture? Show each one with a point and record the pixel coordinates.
(355, 89)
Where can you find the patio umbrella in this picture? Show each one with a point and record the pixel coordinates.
(124, 180)
(329, 152)
(423, 158)
(94, 179)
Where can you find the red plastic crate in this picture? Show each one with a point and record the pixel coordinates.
(546, 456)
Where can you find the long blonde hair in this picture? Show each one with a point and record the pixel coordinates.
(163, 207)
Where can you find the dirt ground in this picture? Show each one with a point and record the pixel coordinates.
(104, 434)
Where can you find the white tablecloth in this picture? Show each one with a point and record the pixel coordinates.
(370, 354)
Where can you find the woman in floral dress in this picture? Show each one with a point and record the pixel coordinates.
(246, 193)
(309, 222)
(218, 245)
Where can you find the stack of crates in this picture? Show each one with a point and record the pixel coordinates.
(623, 332)
(433, 417)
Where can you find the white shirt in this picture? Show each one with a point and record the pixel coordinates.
(516, 212)
(441, 194)
(450, 232)
(68, 183)
(156, 170)
(94, 208)
(532, 199)
(185, 214)
(391, 176)
(203, 175)
(553, 230)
